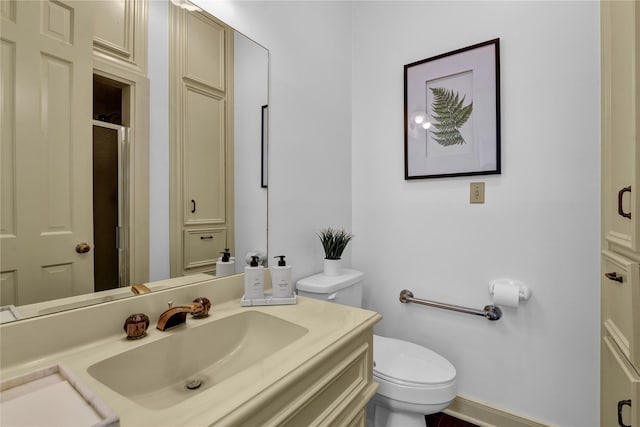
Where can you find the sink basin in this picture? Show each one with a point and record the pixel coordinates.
(165, 372)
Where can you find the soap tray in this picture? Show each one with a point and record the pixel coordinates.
(52, 396)
(268, 300)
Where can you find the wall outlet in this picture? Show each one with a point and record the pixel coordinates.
(477, 192)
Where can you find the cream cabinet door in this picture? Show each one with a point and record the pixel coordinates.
(204, 156)
(202, 185)
(620, 41)
(46, 150)
(620, 397)
(621, 303)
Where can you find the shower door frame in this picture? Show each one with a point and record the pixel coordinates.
(122, 233)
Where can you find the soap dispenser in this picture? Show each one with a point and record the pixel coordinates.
(226, 265)
(281, 279)
(254, 280)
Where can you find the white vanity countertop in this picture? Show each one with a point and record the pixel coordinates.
(327, 325)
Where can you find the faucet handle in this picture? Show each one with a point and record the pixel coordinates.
(206, 306)
(136, 326)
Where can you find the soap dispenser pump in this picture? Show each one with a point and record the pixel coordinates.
(254, 280)
(281, 279)
(226, 264)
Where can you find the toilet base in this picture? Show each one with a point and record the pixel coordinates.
(385, 412)
(379, 416)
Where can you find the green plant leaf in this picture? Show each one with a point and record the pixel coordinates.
(334, 242)
(450, 114)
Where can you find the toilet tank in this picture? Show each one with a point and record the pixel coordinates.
(345, 288)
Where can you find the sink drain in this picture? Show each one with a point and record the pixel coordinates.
(193, 384)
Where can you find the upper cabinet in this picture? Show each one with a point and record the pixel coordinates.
(620, 107)
(201, 142)
(120, 33)
(620, 280)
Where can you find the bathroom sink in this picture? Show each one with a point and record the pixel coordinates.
(165, 372)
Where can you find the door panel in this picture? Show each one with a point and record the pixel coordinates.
(47, 57)
(204, 149)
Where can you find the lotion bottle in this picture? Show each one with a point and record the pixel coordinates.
(281, 279)
(254, 280)
(226, 264)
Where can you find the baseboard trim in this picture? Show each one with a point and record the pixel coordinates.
(484, 415)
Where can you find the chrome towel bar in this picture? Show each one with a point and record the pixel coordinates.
(491, 312)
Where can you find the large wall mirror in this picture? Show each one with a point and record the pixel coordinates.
(54, 172)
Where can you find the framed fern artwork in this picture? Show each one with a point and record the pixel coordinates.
(452, 113)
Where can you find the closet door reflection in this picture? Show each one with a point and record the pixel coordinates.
(45, 223)
(109, 198)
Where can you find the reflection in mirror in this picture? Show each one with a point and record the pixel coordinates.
(75, 225)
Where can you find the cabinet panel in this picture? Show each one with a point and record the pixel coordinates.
(620, 388)
(359, 420)
(326, 399)
(204, 154)
(202, 247)
(621, 303)
(620, 77)
(120, 33)
(205, 58)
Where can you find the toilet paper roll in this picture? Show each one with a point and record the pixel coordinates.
(506, 294)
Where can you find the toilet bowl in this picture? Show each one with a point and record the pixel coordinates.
(414, 381)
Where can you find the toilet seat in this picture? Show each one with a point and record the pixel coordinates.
(411, 373)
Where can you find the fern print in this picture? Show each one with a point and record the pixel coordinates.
(449, 114)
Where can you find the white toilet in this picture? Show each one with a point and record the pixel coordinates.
(414, 381)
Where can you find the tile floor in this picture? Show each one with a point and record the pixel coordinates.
(443, 420)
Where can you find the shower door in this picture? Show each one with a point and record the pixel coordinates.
(110, 165)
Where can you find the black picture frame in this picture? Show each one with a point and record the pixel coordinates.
(452, 113)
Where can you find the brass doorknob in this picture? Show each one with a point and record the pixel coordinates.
(82, 248)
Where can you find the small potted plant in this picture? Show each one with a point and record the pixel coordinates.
(334, 243)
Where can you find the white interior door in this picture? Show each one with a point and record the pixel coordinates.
(46, 218)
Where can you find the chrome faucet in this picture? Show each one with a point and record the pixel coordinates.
(175, 316)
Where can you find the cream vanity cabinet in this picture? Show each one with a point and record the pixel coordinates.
(620, 282)
(331, 392)
(201, 141)
(314, 365)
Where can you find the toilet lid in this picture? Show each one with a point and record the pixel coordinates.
(408, 363)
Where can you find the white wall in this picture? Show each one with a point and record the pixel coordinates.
(309, 117)
(251, 71)
(159, 140)
(540, 223)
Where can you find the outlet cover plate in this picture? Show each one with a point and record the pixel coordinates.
(476, 192)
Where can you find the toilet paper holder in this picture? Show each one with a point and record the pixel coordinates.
(524, 292)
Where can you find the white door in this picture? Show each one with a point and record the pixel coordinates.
(46, 217)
